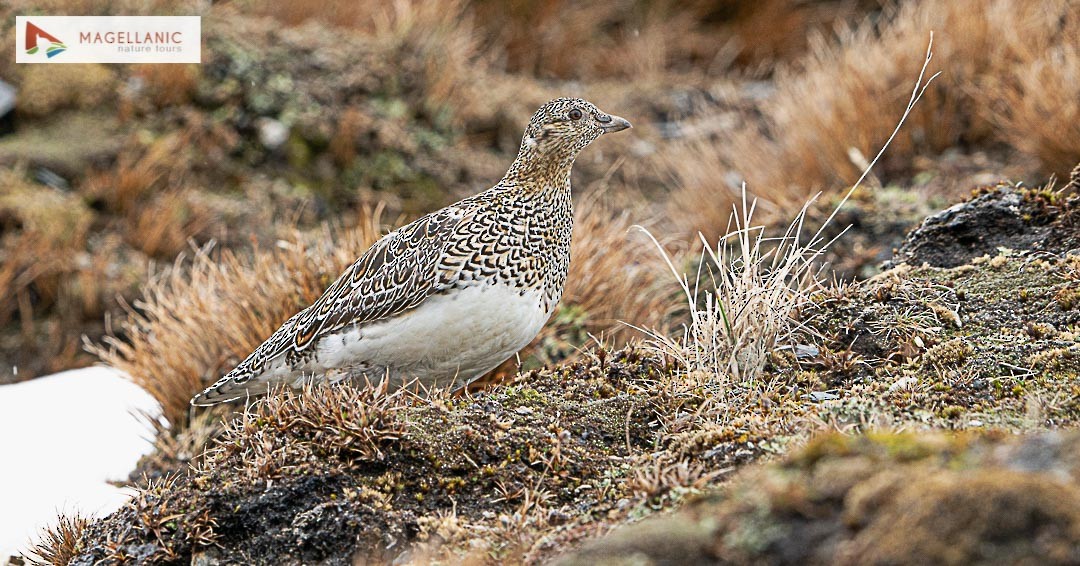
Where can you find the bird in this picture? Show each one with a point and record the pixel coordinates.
(448, 297)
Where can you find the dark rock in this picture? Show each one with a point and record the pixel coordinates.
(1005, 217)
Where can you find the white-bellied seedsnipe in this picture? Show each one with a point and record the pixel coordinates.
(447, 298)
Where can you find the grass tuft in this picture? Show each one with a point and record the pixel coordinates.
(204, 314)
(292, 428)
(753, 291)
(60, 542)
(746, 305)
(1046, 84)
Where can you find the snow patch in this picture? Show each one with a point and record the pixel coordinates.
(62, 438)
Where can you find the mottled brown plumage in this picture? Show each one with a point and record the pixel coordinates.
(490, 267)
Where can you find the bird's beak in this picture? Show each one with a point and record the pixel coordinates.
(616, 124)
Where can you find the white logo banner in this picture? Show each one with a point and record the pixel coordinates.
(108, 39)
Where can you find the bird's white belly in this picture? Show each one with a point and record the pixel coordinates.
(449, 339)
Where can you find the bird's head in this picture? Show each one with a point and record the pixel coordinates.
(560, 129)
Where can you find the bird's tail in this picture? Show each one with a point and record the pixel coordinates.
(228, 389)
(241, 383)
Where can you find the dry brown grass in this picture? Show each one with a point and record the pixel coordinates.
(361, 15)
(65, 256)
(539, 38)
(57, 278)
(317, 423)
(45, 89)
(205, 314)
(124, 187)
(746, 300)
(168, 85)
(1036, 103)
(707, 189)
(832, 110)
(39, 228)
(165, 226)
(439, 36)
(586, 40)
(744, 303)
(532, 36)
(343, 144)
(159, 214)
(777, 30)
(60, 542)
(615, 275)
(106, 7)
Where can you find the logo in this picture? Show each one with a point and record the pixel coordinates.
(108, 39)
(34, 33)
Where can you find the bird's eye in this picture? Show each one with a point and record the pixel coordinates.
(574, 114)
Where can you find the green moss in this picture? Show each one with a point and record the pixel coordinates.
(297, 152)
(950, 353)
(827, 445)
(523, 396)
(903, 447)
(952, 412)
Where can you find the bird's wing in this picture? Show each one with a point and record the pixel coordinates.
(396, 274)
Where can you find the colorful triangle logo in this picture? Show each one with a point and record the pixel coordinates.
(33, 33)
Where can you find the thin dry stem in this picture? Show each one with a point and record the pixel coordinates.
(758, 287)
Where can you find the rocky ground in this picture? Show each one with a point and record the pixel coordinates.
(881, 498)
(973, 329)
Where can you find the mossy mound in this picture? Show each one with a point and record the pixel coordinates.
(994, 342)
(331, 475)
(878, 499)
